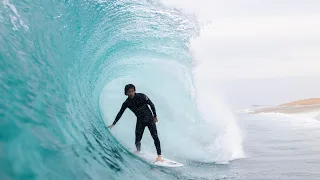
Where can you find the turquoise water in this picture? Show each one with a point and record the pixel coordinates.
(55, 59)
(63, 66)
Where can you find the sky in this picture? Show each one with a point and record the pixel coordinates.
(245, 42)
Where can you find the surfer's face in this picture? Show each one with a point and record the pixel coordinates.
(131, 92)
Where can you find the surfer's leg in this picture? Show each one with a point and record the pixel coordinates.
(139, 132)
(153, 131)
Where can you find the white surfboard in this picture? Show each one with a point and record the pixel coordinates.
(149, 157)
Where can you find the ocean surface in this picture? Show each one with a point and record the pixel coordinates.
(63, 67)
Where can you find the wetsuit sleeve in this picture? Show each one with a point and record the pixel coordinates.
(153, 108)
(123, 108)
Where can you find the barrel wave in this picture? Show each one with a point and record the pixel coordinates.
(63, 66)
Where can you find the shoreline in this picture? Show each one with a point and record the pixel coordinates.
(300, 106)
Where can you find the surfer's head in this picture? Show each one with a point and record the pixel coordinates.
(130, 90)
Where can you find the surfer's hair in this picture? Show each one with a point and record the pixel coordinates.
(127, 87)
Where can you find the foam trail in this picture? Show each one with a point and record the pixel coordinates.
(228, 137)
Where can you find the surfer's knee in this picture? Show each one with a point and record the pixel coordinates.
(156, 140)
(155, 136)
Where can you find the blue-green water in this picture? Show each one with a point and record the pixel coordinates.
(55, 59)
(63, 66)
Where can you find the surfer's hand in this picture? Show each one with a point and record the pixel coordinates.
(155, 119)
(111, 126)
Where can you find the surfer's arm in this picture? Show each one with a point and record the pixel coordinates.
(123, 108)
(153, 108)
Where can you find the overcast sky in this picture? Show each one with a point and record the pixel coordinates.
(258, 40)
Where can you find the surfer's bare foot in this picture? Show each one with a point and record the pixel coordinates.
(159, 158)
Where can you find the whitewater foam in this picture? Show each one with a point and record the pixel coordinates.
(227, 137)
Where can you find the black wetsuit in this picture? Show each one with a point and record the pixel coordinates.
(139, 106)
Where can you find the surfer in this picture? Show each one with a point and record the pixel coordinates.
(138, 104)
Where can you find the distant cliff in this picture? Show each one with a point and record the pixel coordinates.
(300, 106)
(311, 101)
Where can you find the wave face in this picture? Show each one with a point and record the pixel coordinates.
(63, 66)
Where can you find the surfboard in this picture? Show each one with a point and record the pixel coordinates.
(149, 157)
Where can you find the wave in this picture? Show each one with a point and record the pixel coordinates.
(63, 66)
